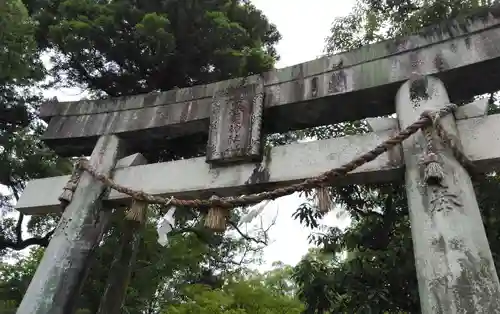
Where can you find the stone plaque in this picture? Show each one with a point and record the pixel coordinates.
(235, 124)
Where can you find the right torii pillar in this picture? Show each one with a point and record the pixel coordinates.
(455, 268)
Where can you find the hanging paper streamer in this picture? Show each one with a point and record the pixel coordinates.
(254, 212)
(166, 225)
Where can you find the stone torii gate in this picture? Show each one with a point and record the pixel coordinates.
(454, 265)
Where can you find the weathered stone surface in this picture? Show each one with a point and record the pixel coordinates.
(382, 124)
(196, 178)
(477, 108)
(235, 125)
(347, 86)
(121, 268)
(65, 263)
(285, 164)
(455, 268)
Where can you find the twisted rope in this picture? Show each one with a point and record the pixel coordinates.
(447, 139)
(70, 187)
(425, 120)
(433, 171)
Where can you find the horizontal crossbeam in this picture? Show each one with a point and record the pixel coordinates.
(348, 86)
(194, 178)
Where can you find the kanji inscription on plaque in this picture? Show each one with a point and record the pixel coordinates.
(235, 124)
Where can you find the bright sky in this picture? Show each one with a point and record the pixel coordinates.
(304, 26)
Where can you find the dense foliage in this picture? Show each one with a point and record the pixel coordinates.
(124, 47)
(127, 47)
(114, 48)
(378, 274)
(18, 42)
(22, 156)
(244, 294)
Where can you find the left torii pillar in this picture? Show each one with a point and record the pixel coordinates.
(57, 282)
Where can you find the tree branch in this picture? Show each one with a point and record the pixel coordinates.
(245, 236)
(20, 244)
(199, 234)
(367, 213)
(18, 230)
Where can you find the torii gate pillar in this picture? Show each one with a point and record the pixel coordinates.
(455, 268)
(59, 277)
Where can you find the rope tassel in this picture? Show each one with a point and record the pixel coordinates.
(216, 218)
(67, 195)
(70, 187)
(137, 211)
(433, 172)
(323, 199)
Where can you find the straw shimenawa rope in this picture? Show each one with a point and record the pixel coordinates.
(433, 171)
(70, 187)
(426, 119)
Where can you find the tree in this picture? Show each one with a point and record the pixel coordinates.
(15, 278)
(17, 60)
(22, 155)
(129, 47)
(375, 20)
(378, 273)
(122, 47)
(257, 293)
(195, 256)
(239, 293)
